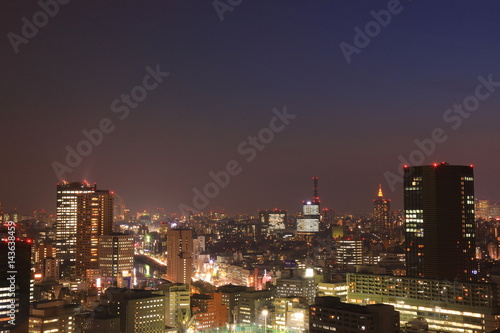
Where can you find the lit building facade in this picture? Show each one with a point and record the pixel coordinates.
(66, 223)
(210, 311)
(251, 306)
(291, 313)
(177, 303)
(180, 255)
(94, 219)
(140, 311)
(382, 211)
(116, 256)
(309, 221)
(230, 296)
(273, 220)
(335, 289)
(349, 252)
(447, 306)
(296, 287)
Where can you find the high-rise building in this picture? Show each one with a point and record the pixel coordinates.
(116, 256)
(66, 223)
(382, 211)
(94, 219)
(179, 255)
(83, 214)
(439, 221)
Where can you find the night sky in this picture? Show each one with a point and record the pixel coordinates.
(352, 120)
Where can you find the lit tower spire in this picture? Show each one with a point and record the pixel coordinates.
(380, 194)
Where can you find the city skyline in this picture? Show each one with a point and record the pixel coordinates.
(205, 81)
(295, 206)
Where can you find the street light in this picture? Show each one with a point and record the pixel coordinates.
(265, 313)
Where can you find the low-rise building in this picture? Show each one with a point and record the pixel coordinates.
(330, 314)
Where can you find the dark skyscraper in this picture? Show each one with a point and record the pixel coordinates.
(439, 226)
(382, 211)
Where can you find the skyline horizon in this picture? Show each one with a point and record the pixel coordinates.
(228, 211)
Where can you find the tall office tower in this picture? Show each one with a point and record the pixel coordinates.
(66, 224)
(439, 221)
(382, 211)
(116, 256)
(180, 255)
(94, 219)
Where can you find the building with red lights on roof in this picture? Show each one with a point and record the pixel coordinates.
(439, 226)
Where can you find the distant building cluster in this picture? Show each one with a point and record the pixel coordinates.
(95, 266)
